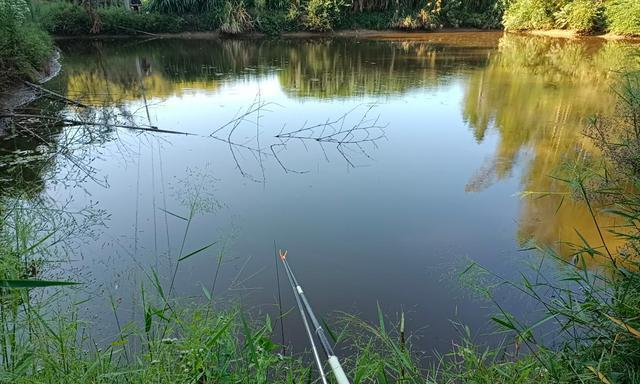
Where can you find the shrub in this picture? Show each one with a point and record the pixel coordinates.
(407, 22)
(321, 15)
(180, 7)
(623, 17)
(24, 47)
(274, 22)
(63, 18)
(366, 20)
(528, 14)
(581, 15)
(71, 19)
(424, 19)
(235, 19)
(117, 20)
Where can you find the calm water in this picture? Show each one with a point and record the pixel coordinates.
(398, 162)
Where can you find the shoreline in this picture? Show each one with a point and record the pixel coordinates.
(574, 34)
(21, 94)
(383, 34)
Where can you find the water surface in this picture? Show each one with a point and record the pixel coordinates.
(383, 166)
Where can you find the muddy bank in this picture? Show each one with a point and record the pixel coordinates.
(387, 34)
(20, 94)
(356, 33)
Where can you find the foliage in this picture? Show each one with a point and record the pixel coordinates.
(24, 46)
(585, 16)
(528, 14)
(426, 19)
(117, 20)
(235, 19)
(581, 15)
(275, 22)
(623, 17)
(180, 7)
(70, 19)
(366, 20)
(62, 18)
(477, 14)
(321, 15)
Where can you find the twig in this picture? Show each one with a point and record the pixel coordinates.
(55, 94)
(137, 30)
(72, 122)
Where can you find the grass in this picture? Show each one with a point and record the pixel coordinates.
(235, 19)
(24, 47)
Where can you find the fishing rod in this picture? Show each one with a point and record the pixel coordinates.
(334, 363)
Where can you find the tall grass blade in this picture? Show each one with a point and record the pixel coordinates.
(27, 284)
(197, 251)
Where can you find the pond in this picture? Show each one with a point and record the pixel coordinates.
(384, 166)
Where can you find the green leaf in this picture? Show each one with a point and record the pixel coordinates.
(329, 330)
(221, 330)
(381, 319)
(148, 320)
(17, 284)
(206, 292)
(174, 214)
(197, 251)
(505, 323)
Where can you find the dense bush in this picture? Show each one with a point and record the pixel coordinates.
(275, 16)
(24, 46)
(618, 16)
(528, 14)
(120, 20)
(63, 18)
(181, 7)
(72, 19)
(321, 15)
(581, 15)
(235, 19)
(423, 19)
(275, 22)
(366, 20)
(477, 14)
(623, 17)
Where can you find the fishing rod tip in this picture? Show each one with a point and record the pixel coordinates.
(283, 255)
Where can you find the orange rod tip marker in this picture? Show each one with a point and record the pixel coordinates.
(283, 255)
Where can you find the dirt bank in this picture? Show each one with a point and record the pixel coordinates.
(20, 94)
